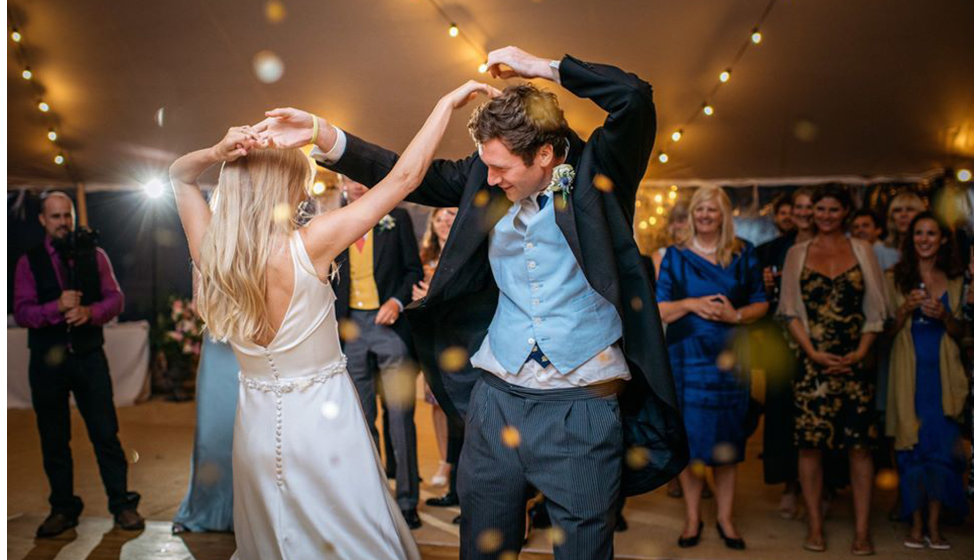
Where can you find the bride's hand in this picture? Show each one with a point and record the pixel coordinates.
(286, 128)
(236, 143)
(467, 92)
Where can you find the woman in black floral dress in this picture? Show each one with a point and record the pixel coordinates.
(833, 298)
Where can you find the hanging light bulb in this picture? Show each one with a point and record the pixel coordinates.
(52, 135)
(44, 107)
(756, 36)
(59, 159)
(483, 68)
(673, 188)
(27, 74)
(725, 76)
(672, 195)
(658, 198)
(676, 136)
(663, 157)
(453, 30)
(15, 36)
(964, 175)
(708, 110)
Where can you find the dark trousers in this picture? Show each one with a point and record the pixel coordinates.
(53, 375)
(379, 356)
(568, 443)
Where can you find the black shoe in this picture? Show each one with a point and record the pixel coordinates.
(539, 516)
(688, 542)
(412, 518)
(621, 524)
(457, 520)
(55, 524)
(130, 520)
(734, 544)
(448, 500)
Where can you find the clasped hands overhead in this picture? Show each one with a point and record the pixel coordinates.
(289, 127)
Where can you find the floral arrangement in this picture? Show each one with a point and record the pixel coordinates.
(386, 223)
(177, 338)
(187, 328)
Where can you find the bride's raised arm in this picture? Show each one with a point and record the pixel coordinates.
(195, 215)
(330, 233)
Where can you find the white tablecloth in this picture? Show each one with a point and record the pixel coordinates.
(127, 346)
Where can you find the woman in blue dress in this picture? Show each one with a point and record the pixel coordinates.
(208, 504)
(928, 385)
(707, 286)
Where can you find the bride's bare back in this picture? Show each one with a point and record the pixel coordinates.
(280, 280)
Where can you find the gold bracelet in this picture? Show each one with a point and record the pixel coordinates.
(316, 128)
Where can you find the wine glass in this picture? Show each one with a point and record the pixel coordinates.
(920, 317)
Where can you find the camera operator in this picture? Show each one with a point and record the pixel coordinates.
(64, 291)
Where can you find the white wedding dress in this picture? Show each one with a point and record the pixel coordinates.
(308, 483)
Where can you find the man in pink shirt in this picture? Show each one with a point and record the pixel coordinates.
(63, 294)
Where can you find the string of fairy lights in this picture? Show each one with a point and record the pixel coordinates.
(707, 108)
(29, 75)
(456, 33)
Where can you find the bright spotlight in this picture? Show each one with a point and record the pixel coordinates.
(153, 188)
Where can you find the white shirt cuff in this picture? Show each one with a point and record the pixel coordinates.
(555, 70)
(335, 153)
(401, 306)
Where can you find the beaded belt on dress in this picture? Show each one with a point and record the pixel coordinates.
(288, 385)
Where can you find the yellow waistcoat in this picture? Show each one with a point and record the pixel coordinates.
(363, 289)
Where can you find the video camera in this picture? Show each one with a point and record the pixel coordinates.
(77, 244)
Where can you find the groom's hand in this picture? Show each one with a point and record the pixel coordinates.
(510, 62)
(388, 313)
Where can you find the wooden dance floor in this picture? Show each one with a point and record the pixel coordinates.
(158, 436)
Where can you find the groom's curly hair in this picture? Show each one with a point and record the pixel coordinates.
(524, 118)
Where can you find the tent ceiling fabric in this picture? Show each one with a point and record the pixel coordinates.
(878, 87)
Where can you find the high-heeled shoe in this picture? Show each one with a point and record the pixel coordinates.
(688, 542)
(733, 543)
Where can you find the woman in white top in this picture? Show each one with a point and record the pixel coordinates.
(307, 480)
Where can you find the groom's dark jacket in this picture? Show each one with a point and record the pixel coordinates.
(598, 226)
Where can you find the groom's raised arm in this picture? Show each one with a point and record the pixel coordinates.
(625, 140)
(368, 163)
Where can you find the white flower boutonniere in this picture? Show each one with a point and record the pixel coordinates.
(386, 223)
(562, 180)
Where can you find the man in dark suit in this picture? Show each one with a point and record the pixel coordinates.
(542, 279)
(374, 284)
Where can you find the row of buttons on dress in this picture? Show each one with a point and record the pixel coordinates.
(275, 375)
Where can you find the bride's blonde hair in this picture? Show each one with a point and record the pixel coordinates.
(254, 209)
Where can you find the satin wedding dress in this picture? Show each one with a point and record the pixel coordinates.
(307, 479)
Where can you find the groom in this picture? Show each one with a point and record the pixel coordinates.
(543, 280)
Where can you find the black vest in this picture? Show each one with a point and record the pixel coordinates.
(78, 340)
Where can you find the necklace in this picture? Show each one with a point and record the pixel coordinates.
(701, 248)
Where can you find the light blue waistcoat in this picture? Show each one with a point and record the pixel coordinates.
(544, 297)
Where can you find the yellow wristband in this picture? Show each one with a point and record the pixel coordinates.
(316, 128)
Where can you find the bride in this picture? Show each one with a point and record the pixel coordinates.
(307, 480)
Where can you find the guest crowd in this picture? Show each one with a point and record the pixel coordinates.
(859, 331)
